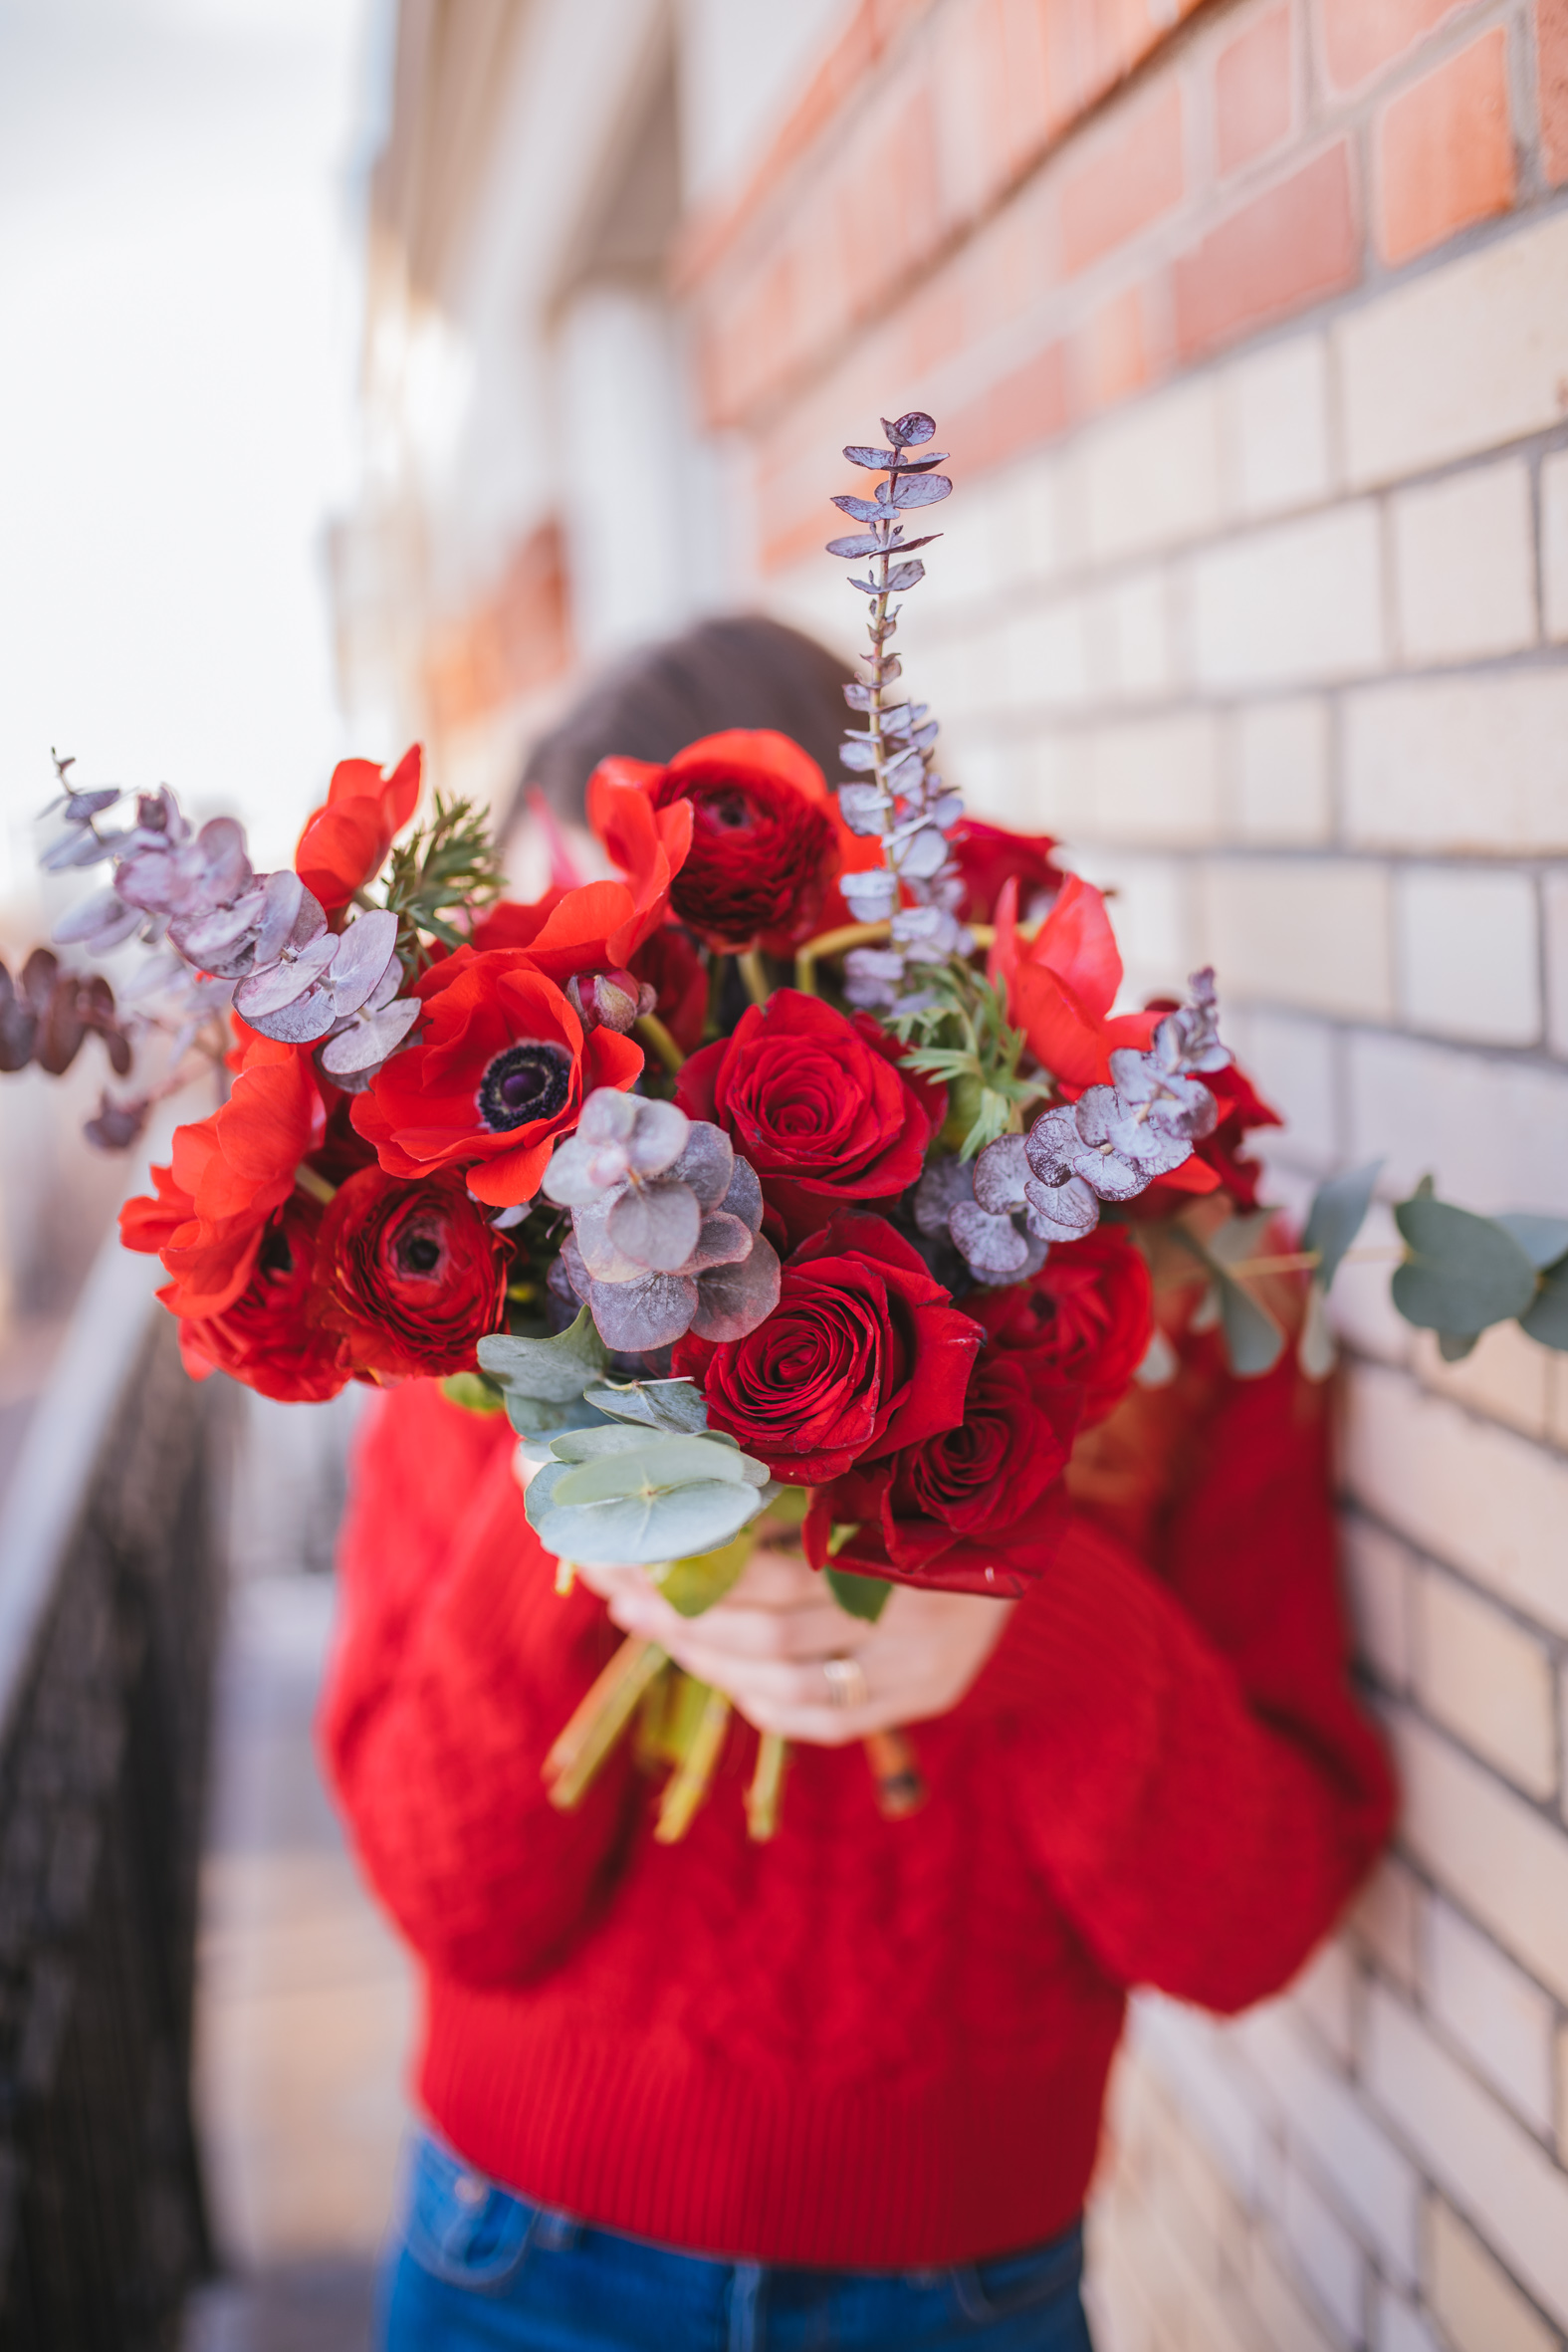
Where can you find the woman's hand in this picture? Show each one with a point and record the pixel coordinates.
(766, 1644)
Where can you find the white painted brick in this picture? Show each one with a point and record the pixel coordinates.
(1151, 477)
(1375, 2188)
(1325, 1995)
(1478, 763)
(1041, 791)
(1554, 543)
(1289, 605)
(1385, 1916)
(1279, 771)
(1180, 2049)
(1468, 356)
(1301, 931)
(1479, 1497)
(1326, 2254)
(1465, 565)
(1500, 2020)
(1361, 1307)
(1291, 2324)
(1150, 909)
(1153, 781)
(1274, 410)
(1468, 954)
(1379, 1572)
(1481, 2308)
(1489, 2164)
(1291, 1060)
(1397, 2328)
(1487, 1679)
(1040, 660)
(1130, 647)
(1554, 893)
(1505, 1375)
(1495, 1855)
(1493, 1133)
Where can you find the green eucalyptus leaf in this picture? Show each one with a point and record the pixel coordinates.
(1547, 1319)
(1464, 1272)
(666, 1524)
(533, 1416)
(859, 1596)
(1315, 1350)
(692, 1586)
(604, 1436)
(1454, 1346)
(1338, 1211)
(540, 1487)
(556, 1372)
(1542, 1239)
(657, 1466)
(677, 1405)
(1254, 1338)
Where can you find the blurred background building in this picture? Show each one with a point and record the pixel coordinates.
(1247, 324)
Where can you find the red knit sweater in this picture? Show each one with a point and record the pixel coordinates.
(868, 2044)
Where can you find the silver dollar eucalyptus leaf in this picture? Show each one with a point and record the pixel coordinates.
(656, 1224)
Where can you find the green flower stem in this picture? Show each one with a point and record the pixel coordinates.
(689, 1785)
(754, 975)
(572, 1764)
(763, 1798)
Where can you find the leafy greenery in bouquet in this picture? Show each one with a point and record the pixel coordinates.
(804, 1181)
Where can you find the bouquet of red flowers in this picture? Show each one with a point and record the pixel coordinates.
(803, 1175)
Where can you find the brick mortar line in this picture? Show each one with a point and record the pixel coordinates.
(1351, 1505)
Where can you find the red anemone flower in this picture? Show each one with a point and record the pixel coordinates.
(500, 1070)
(345, 844)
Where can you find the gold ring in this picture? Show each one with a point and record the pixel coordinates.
(846, 1682)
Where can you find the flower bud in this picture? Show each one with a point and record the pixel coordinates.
(609, 1000)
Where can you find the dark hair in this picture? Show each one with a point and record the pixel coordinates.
(746, 671)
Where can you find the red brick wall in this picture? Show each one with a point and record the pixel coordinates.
(1023, 211)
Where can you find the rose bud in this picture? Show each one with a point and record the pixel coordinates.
(609, 1000)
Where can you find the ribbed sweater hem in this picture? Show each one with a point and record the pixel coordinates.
(664, 2142)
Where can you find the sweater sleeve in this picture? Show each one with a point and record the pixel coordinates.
(456, 1665)
(1193, 1774)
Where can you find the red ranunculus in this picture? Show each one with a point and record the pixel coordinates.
(227, 1174)
(763, 844)
(267, 1337)
(669, 963)
(1087, 1318)
(977, 1508)
(863, 1353)
(817, 1104)
(345, 844)
(987, 857)
(500, 1070)
(411, 1275)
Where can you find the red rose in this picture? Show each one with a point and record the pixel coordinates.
(267, 1337)
(817, 1104)
(863, 1353)
(227, 1174)
(1087, 1318)
(977, 1508)
(987, 857)
(411, 1275)
(669, 963)
(500, 1070)
(763, 844)
(343, 845)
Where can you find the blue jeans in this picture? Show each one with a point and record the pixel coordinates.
(479, 2271)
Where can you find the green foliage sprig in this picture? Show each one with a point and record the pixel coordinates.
(960, 1033)
(450, 863)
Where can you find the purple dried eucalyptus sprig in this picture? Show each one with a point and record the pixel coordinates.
(903, 800)
(1109, 1145)
(666, 1225)
(258, 940)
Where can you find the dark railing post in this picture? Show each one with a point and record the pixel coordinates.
(110, 1583)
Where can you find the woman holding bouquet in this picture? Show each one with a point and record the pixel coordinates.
(844, 2087)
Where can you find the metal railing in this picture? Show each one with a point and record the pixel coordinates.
(111, 1587)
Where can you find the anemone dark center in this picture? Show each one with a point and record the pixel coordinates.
(528, 1081)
